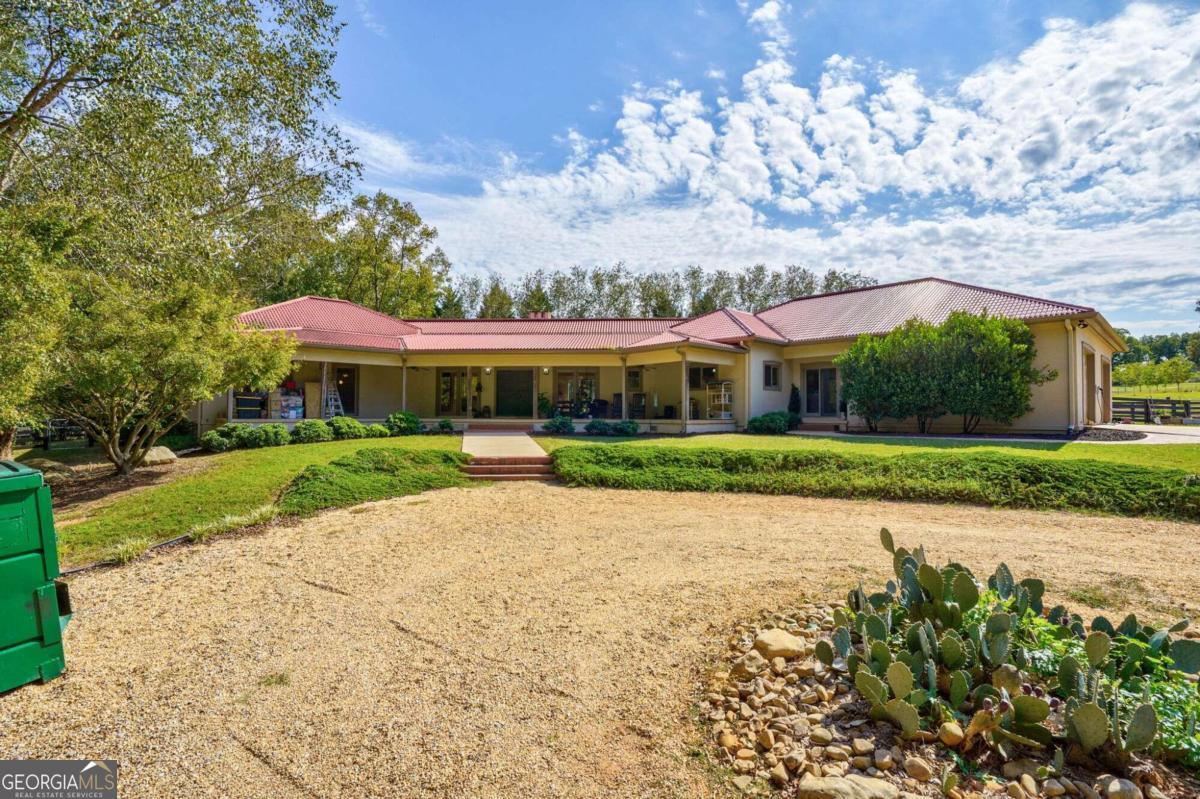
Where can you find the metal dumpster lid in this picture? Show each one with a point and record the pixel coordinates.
(14, 469)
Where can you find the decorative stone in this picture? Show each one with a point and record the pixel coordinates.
(779, 643)
(1116, 788)
(159, 456)
(918, 769)
(1052, 787)
(884, 760)
(854, 786)
(950, 734)
(862, 746)
(1013, 769)
(779, 775)
(821, 736)
(1029, 784)
(748, 665)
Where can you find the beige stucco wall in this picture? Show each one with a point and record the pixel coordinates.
(762, 400)
(1052, 401)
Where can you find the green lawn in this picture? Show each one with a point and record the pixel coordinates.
(1186, 391)
(240, 483)
(1175, 456)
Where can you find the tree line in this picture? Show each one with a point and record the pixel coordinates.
(1159, 347)
(1151, 374)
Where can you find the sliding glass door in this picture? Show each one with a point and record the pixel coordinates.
(820, 392)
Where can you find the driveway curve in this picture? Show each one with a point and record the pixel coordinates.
(510, 640)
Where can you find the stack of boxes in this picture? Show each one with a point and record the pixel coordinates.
(287, 402)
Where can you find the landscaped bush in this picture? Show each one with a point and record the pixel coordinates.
(346, 427)
(775, 423)
(244, 436)
(597, 427)
(937, 646)
(625, 427)
(559, 425)
(214, 441)
(404, 423)
(993, 479)
(311, 431)
(377, 431)
(372, 474)
(273, 435)
(445, 426)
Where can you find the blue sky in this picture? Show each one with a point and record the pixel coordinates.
(1045, 147)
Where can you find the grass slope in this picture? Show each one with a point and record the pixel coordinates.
(372, 474)
(1173, 456)
(240, 482)
(1185, 391)
(1001, 480)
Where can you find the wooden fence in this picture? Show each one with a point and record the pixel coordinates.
(1145, 409)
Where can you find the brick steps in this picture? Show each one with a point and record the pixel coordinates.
(507, 469)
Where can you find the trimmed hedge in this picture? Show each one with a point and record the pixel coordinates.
(345, 427)
(991, 479)
(559, 425)
(775, 423)
(371, 474)
(310, 431)
(404, 423)
(244, 436)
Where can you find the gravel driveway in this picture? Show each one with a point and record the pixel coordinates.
(509, 640)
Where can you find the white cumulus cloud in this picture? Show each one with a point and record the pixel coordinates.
(1071, 170)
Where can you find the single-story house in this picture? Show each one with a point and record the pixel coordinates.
(705, 374)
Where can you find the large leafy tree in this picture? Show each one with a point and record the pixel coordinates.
(989, 368)
(133, 362)
(866, 380)
(378, 252)
(33, 299)
(913, 354)
(185, 135)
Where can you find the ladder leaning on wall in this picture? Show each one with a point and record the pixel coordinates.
(333, 397)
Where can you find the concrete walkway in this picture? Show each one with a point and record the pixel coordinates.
(501, 444)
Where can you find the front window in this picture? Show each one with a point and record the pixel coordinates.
(771, 380)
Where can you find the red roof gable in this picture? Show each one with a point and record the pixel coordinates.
(320, 321)
(879, 309)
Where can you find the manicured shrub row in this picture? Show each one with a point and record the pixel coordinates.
(599, 427)
(775, 423)
(980, 478)
(371, 474)
(312, 431)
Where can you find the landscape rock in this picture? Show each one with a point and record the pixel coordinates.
(779, 775)
(48, 467)
(748, 665)
(1013, 769)
(779, 643)
(950, 734)
(1029, 784)
(821, 736)
(159, 456)
(918, 768)
(851, 787)
(1116, 788)
(884, 760)
(1053, 787)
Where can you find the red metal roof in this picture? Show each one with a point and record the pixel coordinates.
(326, 322)
(879, 309)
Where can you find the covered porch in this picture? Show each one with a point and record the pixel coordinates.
(673, 390)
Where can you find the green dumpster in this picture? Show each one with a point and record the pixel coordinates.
(34, 604)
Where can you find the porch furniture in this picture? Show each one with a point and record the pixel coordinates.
(720, 399)
(614, 410)
(562, 408)
(599, 409)
(668, 412)
(637, 405)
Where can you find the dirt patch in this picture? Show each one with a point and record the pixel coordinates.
(93, 486)
(521, 639)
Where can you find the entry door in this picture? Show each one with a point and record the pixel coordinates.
(514, 392)
(345, 380)
(820, 389)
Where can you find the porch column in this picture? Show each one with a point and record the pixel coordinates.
(404, 384)
(684, 403)
(229, 405)
(324, 387)
(624, 390)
